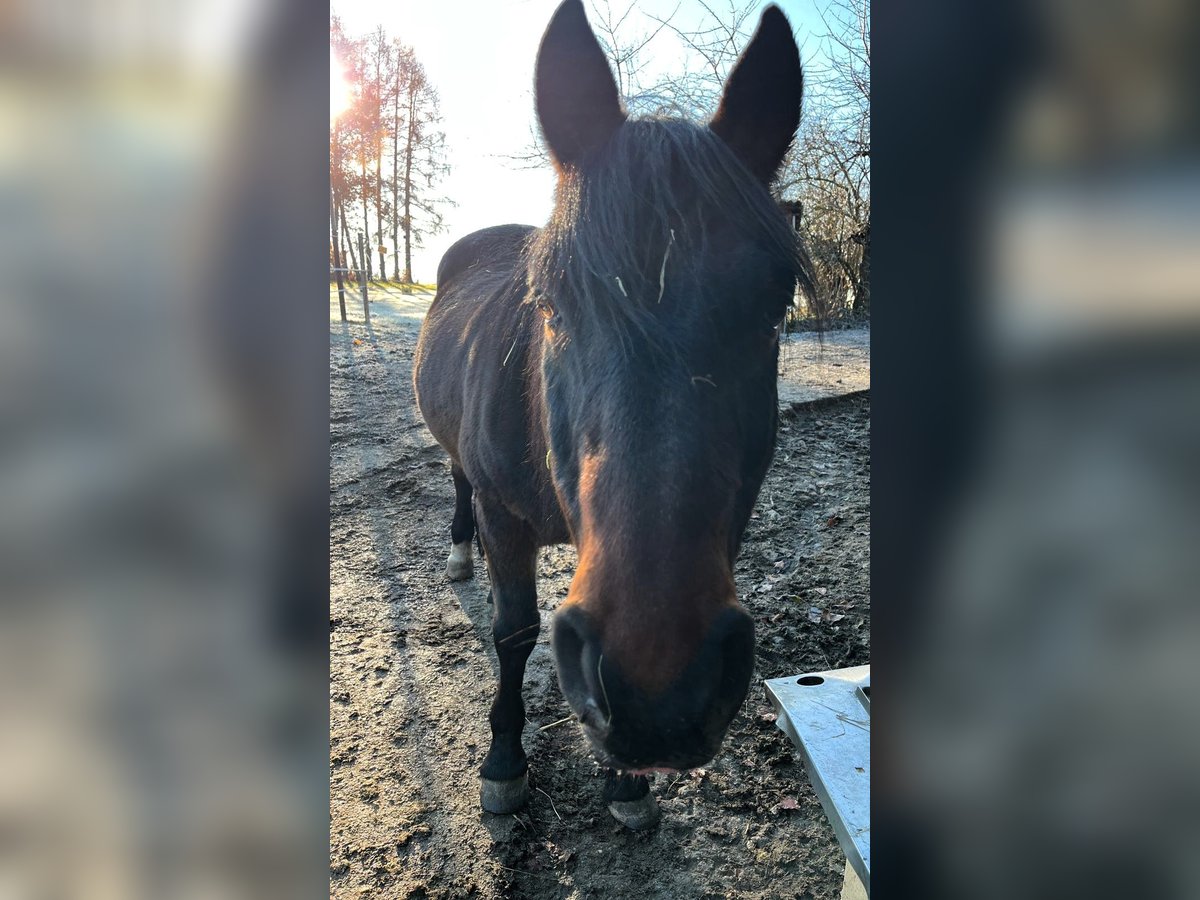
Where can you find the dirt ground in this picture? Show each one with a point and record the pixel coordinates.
(833, 364)
(412, 669)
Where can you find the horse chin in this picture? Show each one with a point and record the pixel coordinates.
(621, 768)
(608, 761)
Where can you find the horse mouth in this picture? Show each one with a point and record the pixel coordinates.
(621, 767)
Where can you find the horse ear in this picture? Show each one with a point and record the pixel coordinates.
(760, 108)
(577, 101)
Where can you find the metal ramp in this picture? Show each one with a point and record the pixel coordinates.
(827, 715)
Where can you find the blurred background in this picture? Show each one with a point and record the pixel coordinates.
(163, 397)
(1035, 519)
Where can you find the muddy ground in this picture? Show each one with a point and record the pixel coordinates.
(411, 672)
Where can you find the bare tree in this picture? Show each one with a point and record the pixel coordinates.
(829, 170)
(382, 52)
(848, 80)
(342, 48)
(626, 52)
(405, 62)
(714, 48)
(424, 165)
(393, 119)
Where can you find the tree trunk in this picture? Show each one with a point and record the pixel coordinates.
(334, 170)
(366, 224)
(337, 252)
(862, 290)
(862, 278)
(346, 235)
(379, 51)
(408, 152)
(379, 213)
(396, 181)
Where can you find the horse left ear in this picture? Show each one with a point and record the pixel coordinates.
(760, 108)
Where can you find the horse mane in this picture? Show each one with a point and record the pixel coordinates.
(627, 221)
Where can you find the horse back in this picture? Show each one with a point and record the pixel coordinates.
(498, 248)
(475, 369)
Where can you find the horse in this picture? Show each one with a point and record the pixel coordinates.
(609, 380)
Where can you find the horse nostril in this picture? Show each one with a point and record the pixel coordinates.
(734, 663)
(578, 660)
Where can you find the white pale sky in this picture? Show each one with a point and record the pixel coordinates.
(479, 54)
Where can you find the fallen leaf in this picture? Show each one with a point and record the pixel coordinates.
(789, 803)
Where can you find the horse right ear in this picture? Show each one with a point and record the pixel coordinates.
(578, 105)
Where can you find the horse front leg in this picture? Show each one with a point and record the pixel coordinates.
(630, 801)
(511, 556)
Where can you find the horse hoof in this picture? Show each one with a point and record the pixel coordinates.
(504, 797)
(460, 566)
(637, 815)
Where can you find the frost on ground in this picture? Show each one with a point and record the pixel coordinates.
(411, 669)
(813, 366)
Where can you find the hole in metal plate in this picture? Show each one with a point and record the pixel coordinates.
(809, 680)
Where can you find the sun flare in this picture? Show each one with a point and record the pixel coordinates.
(339, 89)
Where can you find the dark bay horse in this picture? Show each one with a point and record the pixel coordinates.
(610, 380)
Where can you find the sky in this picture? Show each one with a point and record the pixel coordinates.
(480, 55)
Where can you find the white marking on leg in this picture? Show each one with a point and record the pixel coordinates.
(461, 564)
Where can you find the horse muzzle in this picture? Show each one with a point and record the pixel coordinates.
(677, 727)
